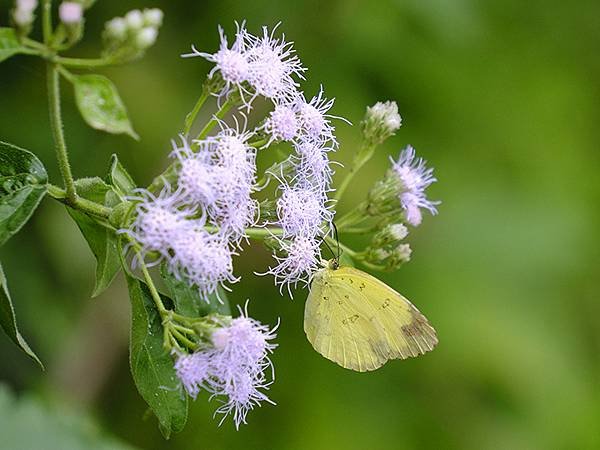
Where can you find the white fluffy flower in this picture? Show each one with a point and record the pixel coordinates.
(282, 124)
(158, 220)
(414, 177)
(300, 259)
(316, 124)
(273, 65)
(301, 211)
(234, 369)
(202, 259)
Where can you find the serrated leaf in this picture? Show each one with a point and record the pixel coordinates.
(23, 181)
(100, 104)
(8, 320)
(102, 240)
(119, 178)
(187, 299)
(9, 44)
(151, 365)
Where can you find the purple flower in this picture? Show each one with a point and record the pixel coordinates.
(158, 219)
(233, 367)
(301, 210)
(301, 259)
(202, 259)
(414, 178)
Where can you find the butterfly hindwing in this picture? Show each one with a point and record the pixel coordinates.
(360, 323)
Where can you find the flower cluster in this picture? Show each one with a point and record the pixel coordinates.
(268, 66)
(403, 189)
(129, 36)
(233, 366)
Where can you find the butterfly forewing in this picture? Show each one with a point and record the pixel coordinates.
(360, 323)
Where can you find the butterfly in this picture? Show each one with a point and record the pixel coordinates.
(360, 323)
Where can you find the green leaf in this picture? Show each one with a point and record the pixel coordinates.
(119, 178)
(100, 104)
(9, 44)
(23, 181)
(8, 321)
(151, 365)
(187, 299)
(32, 421)
(100, 238)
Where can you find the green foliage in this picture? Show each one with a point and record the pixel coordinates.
(187, 299)
(100, 104)
(8, 321)
(23, 181)
(9, 44)
(119, 178)
(99, 235)
(26, 423)
(151, 365)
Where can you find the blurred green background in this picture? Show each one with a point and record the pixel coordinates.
(501, 97)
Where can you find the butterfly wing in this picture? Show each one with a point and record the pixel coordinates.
(360, 323)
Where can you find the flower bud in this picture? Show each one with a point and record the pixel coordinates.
(134, 19)
(153, 17)
(116, 29)
(70, 13)
(22, 14)
(381, 121)
(399, 256)
(146, 37)
(391, 235)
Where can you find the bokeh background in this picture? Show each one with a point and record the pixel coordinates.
(501, 97)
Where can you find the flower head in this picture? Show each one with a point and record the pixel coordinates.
(273, 65)
(233, 367)
(301, 256)
(301, 210)
(70, 13)
(316, 125)
(158, 220)
(202, 259)
(282, 124)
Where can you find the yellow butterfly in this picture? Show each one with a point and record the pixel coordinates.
(360, 323)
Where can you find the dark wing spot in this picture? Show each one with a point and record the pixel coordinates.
(386, 303)
(351, 319)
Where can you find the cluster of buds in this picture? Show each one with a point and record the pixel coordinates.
(387, 249)
(130, 36)
(381, 122)
(23, 15)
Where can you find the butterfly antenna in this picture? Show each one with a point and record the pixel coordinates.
(337, 240)
(323, 241)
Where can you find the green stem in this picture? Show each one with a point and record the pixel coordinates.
(191, 117)
(215, 119)
(83, 63)
(58, 132)
(47, 21)
(363, 155)
(352, 217)
(153, 291)
(81, 204)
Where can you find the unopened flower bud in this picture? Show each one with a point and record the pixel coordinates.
(399, 256)
(134, 19)
(381, 121)
(146, 37)
(26, 5)
(153, 17)
(70, 13)
(116, 29)
(22, 17)
(391, 235)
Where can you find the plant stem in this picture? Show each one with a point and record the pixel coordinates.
(58, 132)
(81, 204)
(363, 155)
(353, 217)
(215, 119)
(191, 117)
(83, 63)
(153, 291)
(47, 21)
